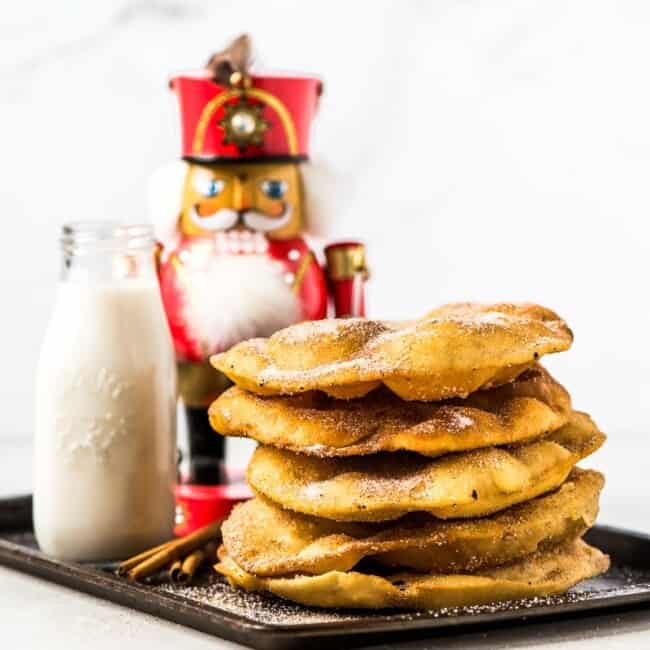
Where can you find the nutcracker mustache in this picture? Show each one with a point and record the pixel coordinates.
(228, 218)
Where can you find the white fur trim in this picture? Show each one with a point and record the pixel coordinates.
(236, 297)
(165, 200)
(327, 193)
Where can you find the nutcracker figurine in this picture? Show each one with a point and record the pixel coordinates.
(231, 220)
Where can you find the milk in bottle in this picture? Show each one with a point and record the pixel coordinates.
(104, 459)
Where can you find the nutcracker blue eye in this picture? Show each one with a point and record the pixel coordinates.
(214, 187)
(209, 187)
(274, 189)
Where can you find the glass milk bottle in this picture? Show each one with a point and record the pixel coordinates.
(104, 449)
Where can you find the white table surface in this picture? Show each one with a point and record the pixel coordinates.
(37, 614)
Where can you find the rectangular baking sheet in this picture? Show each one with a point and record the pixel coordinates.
(261, 621)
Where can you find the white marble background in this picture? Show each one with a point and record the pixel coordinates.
(491, 150)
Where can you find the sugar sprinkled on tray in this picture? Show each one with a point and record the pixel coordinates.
(214, 591)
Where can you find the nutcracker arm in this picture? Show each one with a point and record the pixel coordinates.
(347, 274)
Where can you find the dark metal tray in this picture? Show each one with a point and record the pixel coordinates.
(260, 621)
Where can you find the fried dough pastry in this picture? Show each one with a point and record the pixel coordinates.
(451, 352)
(543, 573)
(268, 541)
(315, 424)
(388, 486)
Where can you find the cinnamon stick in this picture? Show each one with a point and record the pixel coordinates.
(193, 561)
(174, 570)
(175, 550)
(127, 565)
(190, 564)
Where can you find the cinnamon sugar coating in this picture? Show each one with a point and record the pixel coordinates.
(451, 352)
(544, 573)
(316, 424)
(268, 541)
(452, 460)
(387, 486)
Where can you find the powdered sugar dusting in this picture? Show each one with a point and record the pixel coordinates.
(459, 421)
(308, 330)
(362, 366)
(214, 591)
(314, 450)
(415, 359)
(490, 318)
(215, 594)
(314, 424)
(312, 491)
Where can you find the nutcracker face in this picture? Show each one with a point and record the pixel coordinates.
(259, 197)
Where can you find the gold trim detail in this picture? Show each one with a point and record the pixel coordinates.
(344, 262)
(252, 133)
(270, 100)
(178, 267)
(302, 270)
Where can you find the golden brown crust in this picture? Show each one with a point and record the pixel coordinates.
(451, 352)
(544, 573)
(387, 486)
(315, 424)
(268, 541)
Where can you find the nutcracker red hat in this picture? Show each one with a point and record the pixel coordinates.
(229, 114)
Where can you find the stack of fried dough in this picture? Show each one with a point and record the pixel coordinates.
(416, 465)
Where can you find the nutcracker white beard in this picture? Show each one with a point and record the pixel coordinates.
(236, 297)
